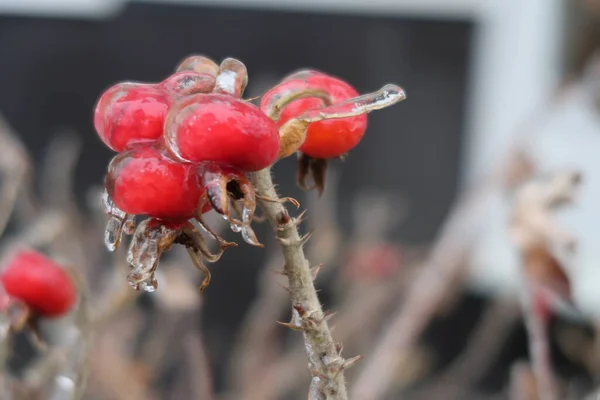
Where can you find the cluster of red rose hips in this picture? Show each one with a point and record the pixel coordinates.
(37, 282)
(186, 144)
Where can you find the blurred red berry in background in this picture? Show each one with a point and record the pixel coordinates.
(40, 283)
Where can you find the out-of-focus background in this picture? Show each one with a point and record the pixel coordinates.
(422, 203)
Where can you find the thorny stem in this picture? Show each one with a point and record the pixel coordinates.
(325, 362)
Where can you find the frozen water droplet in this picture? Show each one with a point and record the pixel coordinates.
(235, 227)
(150, 285)
(386, 96)
(110, 207)
(147, 256)
(246, 215)
(232, 78)
(112, 234)
(248, 236)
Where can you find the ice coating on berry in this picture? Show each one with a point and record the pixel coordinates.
(199, 64)
(327, 138)
(152, 238)
(222, 129)
(232, 78)
(130, 113)
(185, 83)
(146, 181)
(39, 282)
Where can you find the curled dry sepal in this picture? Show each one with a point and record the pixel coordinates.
(186, 144)
(539, 236)
(34, 286)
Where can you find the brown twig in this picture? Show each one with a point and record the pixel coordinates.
(325, 361)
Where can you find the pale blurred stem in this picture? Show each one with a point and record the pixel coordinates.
(257, 344)
(425, 295)
(325, 363)
(536, 322)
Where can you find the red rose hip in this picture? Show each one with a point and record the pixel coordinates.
(146, 181)
(221, 129)
(324, 139)
(131, 113)
(40, 283)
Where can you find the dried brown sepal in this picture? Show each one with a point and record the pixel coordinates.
(196, 258)
(224, 185)
(291, 136)
(313, 168)
(223, 244)
(544, 268)
(282, 200)
(191, 238)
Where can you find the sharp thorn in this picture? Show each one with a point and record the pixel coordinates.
(294, 202)
(314, 271)
(304, 238)
(339, 348)
(350, 362)
(328, 316)
(291, 326)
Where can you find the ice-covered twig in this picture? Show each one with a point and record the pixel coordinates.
(325, 361)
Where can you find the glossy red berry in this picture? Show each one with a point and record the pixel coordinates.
(147, 181)
(328, 138)
(222, 129)
(40, 283)
(129, 113)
